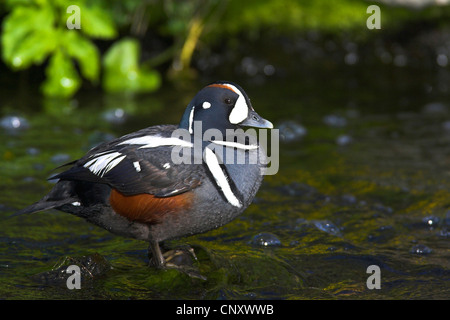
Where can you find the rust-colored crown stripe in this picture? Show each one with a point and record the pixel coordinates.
(218, 85)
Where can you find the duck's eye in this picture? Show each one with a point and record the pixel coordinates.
(228, 101)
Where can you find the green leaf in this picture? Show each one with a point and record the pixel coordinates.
(62, 78)
(34, 49)
(27, 37)
(83, 51)
(97, 23)
(122, 71)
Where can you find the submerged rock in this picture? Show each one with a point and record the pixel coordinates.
(90, 267)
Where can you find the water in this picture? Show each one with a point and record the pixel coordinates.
(363, 180)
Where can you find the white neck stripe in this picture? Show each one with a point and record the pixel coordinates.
(191, 120)
(221, 180)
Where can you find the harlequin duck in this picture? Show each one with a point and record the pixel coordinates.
(168, 181)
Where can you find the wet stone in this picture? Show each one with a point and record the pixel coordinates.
(420, 249)
(265, 239)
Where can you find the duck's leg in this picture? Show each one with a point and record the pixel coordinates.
(155, 256)
(180, 259)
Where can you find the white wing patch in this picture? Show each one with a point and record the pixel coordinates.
(221, 180)
(137, 166)
(102, 163)
(157, 141)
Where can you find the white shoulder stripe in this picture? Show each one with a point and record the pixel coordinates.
(235, 145)
(103, 163)
(219, 176)
(157, 141)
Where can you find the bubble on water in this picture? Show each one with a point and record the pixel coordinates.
(431, 221)
(328, 227)
(265, 239)
(291, 131)
(14, 123)
(420, 249)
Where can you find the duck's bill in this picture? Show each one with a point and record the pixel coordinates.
(256, 121)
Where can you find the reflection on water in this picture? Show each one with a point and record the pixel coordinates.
(364, 180)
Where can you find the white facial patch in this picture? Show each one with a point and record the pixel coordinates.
(206, 105)
(240, 110)
(102, 163)
(222, 182)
